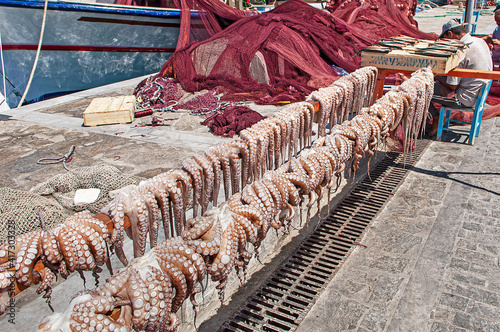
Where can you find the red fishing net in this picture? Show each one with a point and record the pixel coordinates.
(157, 93)
(286, 53)
(278, 56)
(202, 104)
(233, 120)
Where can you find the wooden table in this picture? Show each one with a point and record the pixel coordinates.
(383, 73)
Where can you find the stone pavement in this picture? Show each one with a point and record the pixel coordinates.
(431, 261)
(432, 20)
(49, 128)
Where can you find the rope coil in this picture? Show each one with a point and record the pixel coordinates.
(64, 159)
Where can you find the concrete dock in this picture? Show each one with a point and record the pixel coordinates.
(430, 261)
(432, 257)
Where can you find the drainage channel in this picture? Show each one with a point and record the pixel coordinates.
(285, 298)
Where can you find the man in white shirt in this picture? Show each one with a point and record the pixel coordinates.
(464, 90)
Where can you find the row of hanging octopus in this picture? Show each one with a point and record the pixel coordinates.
(217, 241)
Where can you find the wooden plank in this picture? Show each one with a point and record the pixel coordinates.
(109, 110)
(473, 73)
(458, 72)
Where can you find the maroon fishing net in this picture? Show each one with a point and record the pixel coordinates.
(233, 120)
(284, 54)
(157, 93)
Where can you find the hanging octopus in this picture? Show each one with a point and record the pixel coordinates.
(150, 290)
(221, 235)
(77, 245)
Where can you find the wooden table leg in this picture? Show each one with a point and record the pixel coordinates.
(379, 85)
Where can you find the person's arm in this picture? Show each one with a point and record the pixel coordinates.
(487, 38)
(442, 80)
(495, 37)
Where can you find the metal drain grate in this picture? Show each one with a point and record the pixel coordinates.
(284, 299)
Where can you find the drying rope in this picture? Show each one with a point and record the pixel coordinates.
(37, 54)
(64, 159)
(3, 74)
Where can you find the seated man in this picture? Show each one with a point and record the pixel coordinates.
(493, 40)
(460, 91)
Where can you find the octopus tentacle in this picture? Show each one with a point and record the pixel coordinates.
(220, 151)
(284, 134)
(158, 187)
(224, 261)
(208, 176)
(203, 235)
(138, 215)
(116, 210)
(245, 159)
(191, 167)
(251, 140)
(235, 168)
(216, 166)
(154, 214)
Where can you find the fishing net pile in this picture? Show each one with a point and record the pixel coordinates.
(52, 201)
(20, 212)
(106, 178)
(378, 17)
(285, 54)
(233, 120)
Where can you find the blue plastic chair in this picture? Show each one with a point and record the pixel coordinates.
(473, 25)
(475, 125)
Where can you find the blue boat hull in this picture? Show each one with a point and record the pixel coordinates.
(84, 45)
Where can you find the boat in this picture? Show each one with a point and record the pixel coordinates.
(84, 45)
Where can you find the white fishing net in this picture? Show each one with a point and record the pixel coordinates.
(62, 187)
(20, 213)
(54, 199)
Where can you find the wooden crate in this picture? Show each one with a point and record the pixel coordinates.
(109, 110)
(401, 59)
